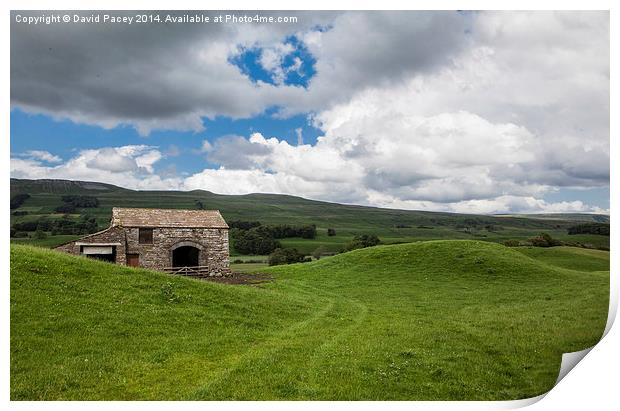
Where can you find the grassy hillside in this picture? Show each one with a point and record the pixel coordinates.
(392, 226)
(584, 218)
(570, 257)
(428, 320)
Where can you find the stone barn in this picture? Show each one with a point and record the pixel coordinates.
(193, 242)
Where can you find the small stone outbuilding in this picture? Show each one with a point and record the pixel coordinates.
(184, 241)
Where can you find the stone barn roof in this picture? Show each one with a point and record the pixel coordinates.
(157, 217)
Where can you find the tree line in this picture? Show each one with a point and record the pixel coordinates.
(251, 237)
(84, 225)
(589, 228)
(18, 200)
(277, 230)
(72, 202)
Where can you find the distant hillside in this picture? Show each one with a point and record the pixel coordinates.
(60, 186)
(581, 217)
(348, 220)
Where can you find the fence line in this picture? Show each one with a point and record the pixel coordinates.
(196, 271)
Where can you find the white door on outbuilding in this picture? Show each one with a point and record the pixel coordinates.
(97, 249)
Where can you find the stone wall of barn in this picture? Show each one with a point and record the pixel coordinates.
(212, 243)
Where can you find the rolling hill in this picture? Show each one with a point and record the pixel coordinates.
(392, 226)
(458, 320)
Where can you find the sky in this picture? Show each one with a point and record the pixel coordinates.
(472, 112)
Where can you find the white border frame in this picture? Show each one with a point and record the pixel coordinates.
(591, 384)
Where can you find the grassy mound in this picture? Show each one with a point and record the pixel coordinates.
(429, 320)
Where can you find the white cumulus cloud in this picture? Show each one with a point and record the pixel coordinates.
(43, 156)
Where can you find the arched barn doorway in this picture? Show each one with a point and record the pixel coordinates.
(185, 256)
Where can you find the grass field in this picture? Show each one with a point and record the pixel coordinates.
(570, 257)
(459, 320)
(248, 267)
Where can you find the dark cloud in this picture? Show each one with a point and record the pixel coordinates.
(383, 46)
(110, 74)
(158, 76)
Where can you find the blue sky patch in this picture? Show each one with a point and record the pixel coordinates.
(296, 67)
(593, 195)
(64, 138)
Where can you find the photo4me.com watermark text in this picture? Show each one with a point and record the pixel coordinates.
(150, 18)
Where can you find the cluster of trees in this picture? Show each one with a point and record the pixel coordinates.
(279, 230)
(38, 235)
(81, 201)
(544, 240)
(251, 237)
(287, 256)
(589, 228)
(254, 241)
(18, 200)
(362, 241)
(287, 231)
(471, 225)
(71, 202)
(472, 222)
(65, 209)
(84, 225)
